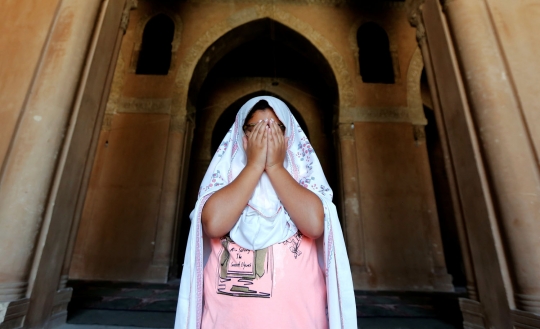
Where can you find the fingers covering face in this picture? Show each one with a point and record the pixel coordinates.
(267, 132)
(272, 133)
(277, 133)
(255, 133)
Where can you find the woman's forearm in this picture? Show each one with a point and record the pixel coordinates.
(304, 207)
(224, 207)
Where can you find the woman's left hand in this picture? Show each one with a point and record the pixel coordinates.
(277, 146)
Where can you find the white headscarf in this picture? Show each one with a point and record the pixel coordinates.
(265, 222)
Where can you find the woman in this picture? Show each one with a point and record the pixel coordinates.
(272, 253)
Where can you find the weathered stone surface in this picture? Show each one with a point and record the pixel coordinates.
(132, 196)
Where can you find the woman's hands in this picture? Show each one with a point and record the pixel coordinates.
(265, 145)
(266, 148)
(304, 207)
(277, 146)
(256, 145)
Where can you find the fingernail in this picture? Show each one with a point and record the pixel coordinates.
(260, 120)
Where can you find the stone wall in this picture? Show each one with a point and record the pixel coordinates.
(120, 162)
(143, 112)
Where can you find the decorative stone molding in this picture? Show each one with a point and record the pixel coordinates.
(130, 5)
(416, 20)
(471, 291)
(10, 291)
(63, 281)
(414, 96)
(473, 314)
(529, 303)
(525, 320)
(60, 305)
(189, 62)
(372, 114)
(12, 314)
(145, 105)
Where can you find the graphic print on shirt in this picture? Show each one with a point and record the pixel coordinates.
(294, 244)
(244, 272)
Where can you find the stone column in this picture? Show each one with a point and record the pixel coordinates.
(27, 186)
(168, 215)
(352, 218)
(511, 162)
(416, 20)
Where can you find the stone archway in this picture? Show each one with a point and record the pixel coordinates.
(186, 72)
(211, 48)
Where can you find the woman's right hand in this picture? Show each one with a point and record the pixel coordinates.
(255, 145)
(223, 208)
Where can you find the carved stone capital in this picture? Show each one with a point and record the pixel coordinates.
(107, 121)
(130, 5)
(178, 123)
(415, 19)
(419, 134)
(345, 131)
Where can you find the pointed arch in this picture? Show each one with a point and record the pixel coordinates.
(324, 47)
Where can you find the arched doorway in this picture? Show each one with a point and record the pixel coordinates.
(262, 57)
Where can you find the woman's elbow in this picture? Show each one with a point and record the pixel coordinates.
(209, 224)
(210, 229)
(316, 229)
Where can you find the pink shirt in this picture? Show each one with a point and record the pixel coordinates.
(281, 286)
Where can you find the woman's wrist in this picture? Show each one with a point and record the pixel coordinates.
(274, 168)
(254, 167)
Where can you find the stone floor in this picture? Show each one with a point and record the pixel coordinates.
(111, 305)
(106, 319)
(362, 324)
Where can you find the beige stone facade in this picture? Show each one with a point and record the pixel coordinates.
(435, 174)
